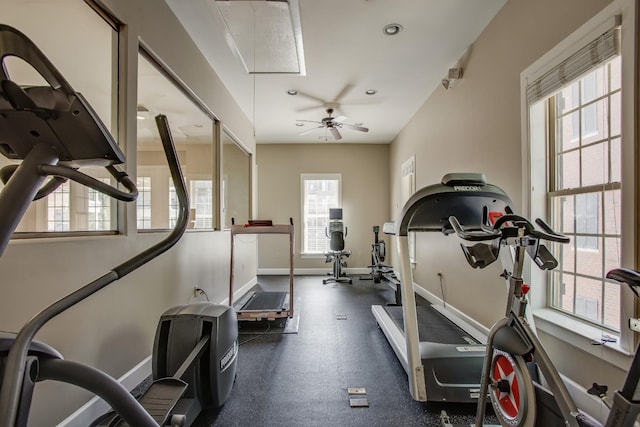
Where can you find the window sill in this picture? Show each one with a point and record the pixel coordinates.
(581, 335)
(307, 255)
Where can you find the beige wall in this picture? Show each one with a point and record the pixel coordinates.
(476, 127)
(365, 196)
(113, 330)
(472, 127)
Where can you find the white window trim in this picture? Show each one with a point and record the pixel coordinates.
(310, 176)
(534, 182)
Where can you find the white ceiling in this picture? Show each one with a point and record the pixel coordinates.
(346, 53)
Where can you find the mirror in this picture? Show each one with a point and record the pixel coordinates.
(193, 131)
(236, 181)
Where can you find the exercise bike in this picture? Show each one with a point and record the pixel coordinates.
(512, 344)
(55, 132)
(336, 232)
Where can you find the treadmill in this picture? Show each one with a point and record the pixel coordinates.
(443, 361)
(263, 305)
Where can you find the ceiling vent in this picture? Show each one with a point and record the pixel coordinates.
(265, 34)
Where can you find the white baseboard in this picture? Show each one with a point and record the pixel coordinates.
(587, 402)
(240, 292)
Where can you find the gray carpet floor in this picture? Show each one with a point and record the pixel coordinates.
(302, 378)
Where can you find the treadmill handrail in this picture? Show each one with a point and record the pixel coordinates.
(428, 208)
(271, 229)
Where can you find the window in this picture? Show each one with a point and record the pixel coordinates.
(320, 192)
(58, 209)
(98, 209)
(578, 132)
(201, 204)
(72, 207)
(143, 202)
(174, 205)
(584, 193)
(193, 131)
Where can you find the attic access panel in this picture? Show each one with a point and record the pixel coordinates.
(265, 34)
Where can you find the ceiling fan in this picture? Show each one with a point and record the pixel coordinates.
(332, 124)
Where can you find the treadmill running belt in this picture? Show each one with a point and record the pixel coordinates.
(266, 301)
(433, 326)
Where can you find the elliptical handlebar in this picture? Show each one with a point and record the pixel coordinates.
(10, 391)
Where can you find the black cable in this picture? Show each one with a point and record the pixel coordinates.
(202, 292)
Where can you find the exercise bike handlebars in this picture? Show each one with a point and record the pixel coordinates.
(500, 231)
(473, 235)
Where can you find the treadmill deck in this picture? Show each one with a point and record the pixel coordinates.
(263, 305)
(433, 326)
(451, 358)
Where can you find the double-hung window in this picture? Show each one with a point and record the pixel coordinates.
(580, 140)
(584, 193)
(320, 192)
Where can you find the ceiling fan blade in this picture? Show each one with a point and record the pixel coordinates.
(340, 119)
(345, 90)
(335, 133)
(310, 130)
(360, 128)
(304, 109)
(309, 121)
(315, 98)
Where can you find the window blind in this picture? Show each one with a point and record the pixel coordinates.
(603, 48)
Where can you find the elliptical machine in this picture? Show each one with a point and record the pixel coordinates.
(378, 253)
(55, 132)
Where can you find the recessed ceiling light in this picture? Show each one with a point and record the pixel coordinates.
(292, 92)
(392, 29)
(371, 92)
(299, 124)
